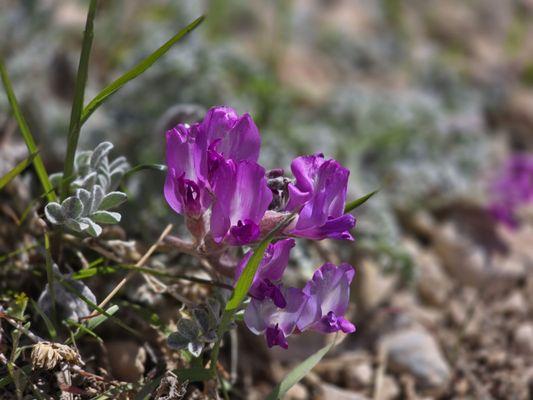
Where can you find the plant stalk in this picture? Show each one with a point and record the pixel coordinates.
(77, 104)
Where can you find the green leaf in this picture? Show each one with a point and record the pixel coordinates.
(356, 203)
(106, 217)
(54, 213)
(113, 199)
(26, 134)
(248, 274)
(137, 70)
(77, 104)
(94, 306)
(71, 207)
(299, 372)
(93, 323)
(93, 228)
(16, 170)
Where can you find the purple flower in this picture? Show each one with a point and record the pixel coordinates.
(319, 196)
(512, 189)
(194, 153)
(241, 199)
(328, 296)
(231, 136)
(263, 316)
(269, 272)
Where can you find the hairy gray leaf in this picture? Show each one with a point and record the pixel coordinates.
(112, 199)
(54, 213)
(72, 207)
(106, 217)
(99, 153)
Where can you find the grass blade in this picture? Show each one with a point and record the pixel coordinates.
(356, 203)
(142, 167)
(26, 134)
(77, 104)
(299, 372)
(137, 70)
(16, 170)
(49, 325)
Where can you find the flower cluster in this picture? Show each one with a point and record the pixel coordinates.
(512, 189)
(228, 199)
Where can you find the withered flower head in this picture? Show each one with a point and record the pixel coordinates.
(46, 355)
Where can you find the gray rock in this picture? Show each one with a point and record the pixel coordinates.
(415, 351)
(328, 392)
(524, 338)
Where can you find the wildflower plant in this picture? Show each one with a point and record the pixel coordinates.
(229, 201)
(233, 207)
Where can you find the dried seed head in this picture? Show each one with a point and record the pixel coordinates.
(46, 355)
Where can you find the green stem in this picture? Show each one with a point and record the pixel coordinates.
(227, 316)
(77, 104)
(26, 134)
(50, 277)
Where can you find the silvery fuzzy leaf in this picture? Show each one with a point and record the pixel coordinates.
(93, 229)
(99, 153)
(55, 179)
(103, 181)
(202, 319)
(76, 225)
(106, 217)
(195, 348)
(86, 181)
(112, 199)
(188, 329)
(97, 195)
(81, 162)
(72, 207)
(119, 164)
(54, 213)
(114, 179)
(177, 341)
(68, 305)
(85, 197)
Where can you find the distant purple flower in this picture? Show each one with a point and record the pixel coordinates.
(328, 296)
(512, 189)
(195, 151)
(269, 272)
(263, 316)
(241, 199)
(319, 196)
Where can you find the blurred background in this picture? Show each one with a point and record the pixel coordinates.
(431, 102)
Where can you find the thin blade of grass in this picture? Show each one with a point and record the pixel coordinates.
(301, 370)
(40, 170)
(137, 70)
(142, 167)
(50, 276)
(21, 166)
(77, 104)
(356, 203)
(95, 307)
(49, 325)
